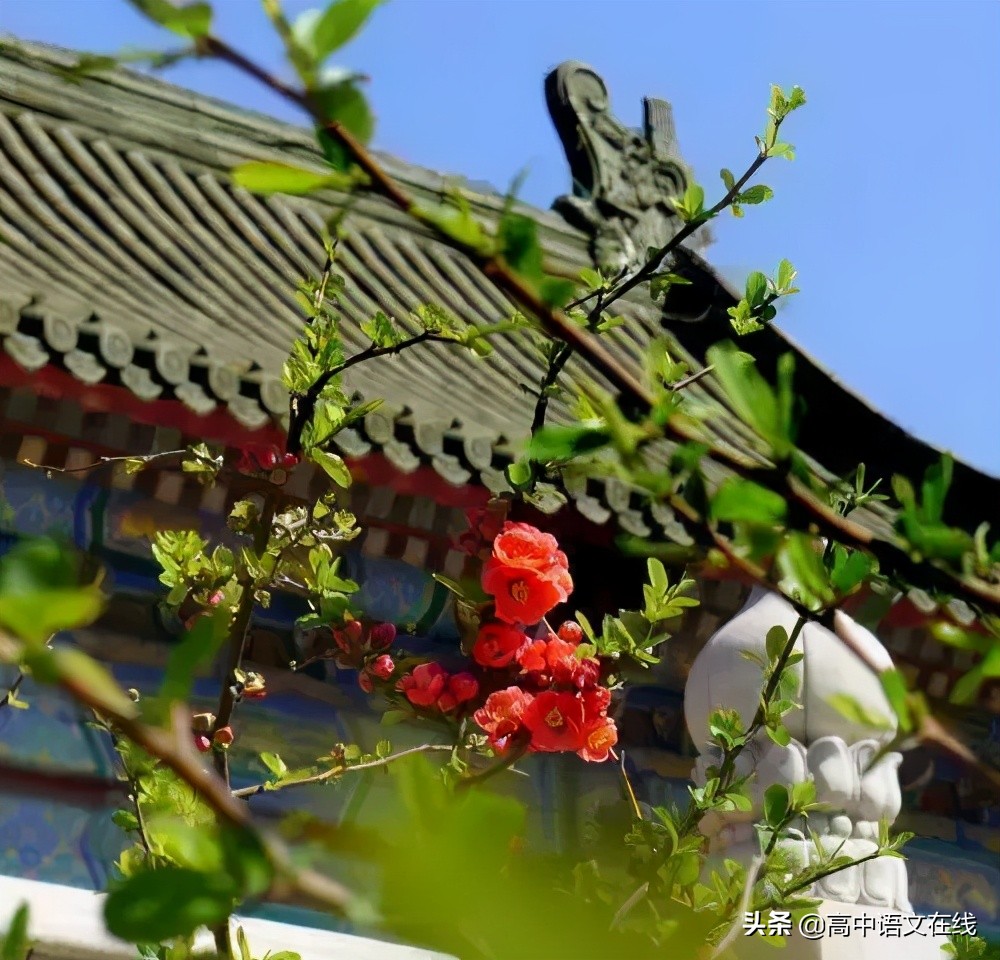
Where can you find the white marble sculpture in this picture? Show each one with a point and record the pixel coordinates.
(826, 747)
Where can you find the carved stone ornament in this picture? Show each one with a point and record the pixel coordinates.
(856, 782)
(622, 179)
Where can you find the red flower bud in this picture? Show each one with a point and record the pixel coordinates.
(216, 598)
(571, 632)
(365, 682)
(382, 667)
(268, 458)
(289, 460)
(202, 742)
(224, 736)
(382, 635)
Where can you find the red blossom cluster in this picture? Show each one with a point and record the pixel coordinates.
(545, 692)
(430, 686)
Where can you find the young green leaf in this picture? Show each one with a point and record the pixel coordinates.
(261, 177)
(191, 20)
(168, 902)
(15, 945)
(338, 24)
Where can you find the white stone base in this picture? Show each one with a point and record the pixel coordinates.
(914, 942)
(67, 924)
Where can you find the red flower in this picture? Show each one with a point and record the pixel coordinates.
(463, 686)
(596, 702)
(424, 684)
(520, 595)
(555, 661)
(497, 644)
(382, 667)
(501, 715)
(526, 547)
(599, 738)
(365, 682)
(527, 574)
(531, 657)
(556, 722)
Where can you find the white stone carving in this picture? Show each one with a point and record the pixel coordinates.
(833, 751)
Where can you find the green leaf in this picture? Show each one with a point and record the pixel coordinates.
(15, 943)
(40, 592)
(776, 805)
(274, 763)
(894, 685)
(786, 276)
(456, 222)
(333, 465)
(745, 501)
(775, 642)
(785, 150)
(520, 474)
(65, 664)
(345, 103)
(517, 237)
(855, 711)
(339, 24)
(850, 568)
(803, 567)
(168, 902)
(190, 20)
(727, 178)
(756, 194)
(125, 820)
(245, 861)
(564, 443)
(751, 396)
(756, 288)
(266, 177)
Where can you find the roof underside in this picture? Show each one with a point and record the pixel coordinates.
(130, 258)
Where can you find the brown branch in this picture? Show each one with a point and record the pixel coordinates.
(173, 748)
(557, 324)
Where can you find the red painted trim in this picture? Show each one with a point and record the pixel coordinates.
(219, 426)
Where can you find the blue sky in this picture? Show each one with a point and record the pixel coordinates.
(890, 212)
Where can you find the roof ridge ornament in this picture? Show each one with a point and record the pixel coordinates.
(623, 179)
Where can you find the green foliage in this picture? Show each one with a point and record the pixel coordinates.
(632, 635)
(14, 945)
(517, 242)
(191, 20)
(921, 520)
(267, 177)
(324, 32)
(43, 590)
(169, 902)
(691, 206)
(344, 103)
(768, 410)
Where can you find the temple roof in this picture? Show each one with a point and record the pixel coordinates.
(130, 258)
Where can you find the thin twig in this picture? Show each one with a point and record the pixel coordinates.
(555, 322)
(110, 461)
(245, 792)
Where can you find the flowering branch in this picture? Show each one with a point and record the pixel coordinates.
(247, 792)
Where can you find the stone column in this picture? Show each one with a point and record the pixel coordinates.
(833, 751)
